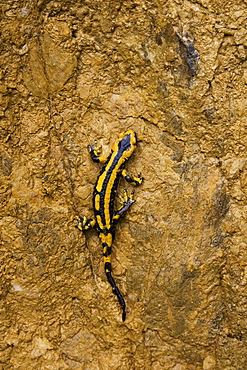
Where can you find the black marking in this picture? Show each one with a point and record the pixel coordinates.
(108, 249)
(107, 183)
(102, 193)
(115, 289)
(189, 51)
(124, 145)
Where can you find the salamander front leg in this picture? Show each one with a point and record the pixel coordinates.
(85, 224)
(95, 151)
(134, 180)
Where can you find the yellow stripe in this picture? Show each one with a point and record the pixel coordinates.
(113, 176)
(99, 221)
(100, 182)
(108, 191)
(108, 197)
(103, 175)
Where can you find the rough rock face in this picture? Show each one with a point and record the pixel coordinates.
(75, 71)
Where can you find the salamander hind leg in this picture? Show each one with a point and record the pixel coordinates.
(126, 203)
(84, 223)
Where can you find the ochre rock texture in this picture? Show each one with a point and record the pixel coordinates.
(72, 72)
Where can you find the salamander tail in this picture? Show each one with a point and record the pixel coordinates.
(115, 289)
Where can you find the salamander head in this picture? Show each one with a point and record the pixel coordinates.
(125, 144)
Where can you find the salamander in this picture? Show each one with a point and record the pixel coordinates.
(104, 198)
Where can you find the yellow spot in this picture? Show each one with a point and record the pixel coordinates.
(106, 238)
(107, 259)
(124, 173)
(97, 202)
(102, 237)
(102, 159)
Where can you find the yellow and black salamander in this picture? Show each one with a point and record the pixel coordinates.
(104, 197)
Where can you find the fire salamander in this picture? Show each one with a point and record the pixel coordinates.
(104, 196)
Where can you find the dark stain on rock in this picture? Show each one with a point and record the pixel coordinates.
(188, 53)
(219, 208)
(176, 145)
(168, 33)
(217, 322)
(158, 38)
(5, 165)
(162, 89)
(209, 113)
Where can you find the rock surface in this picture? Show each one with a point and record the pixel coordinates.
(75, 71)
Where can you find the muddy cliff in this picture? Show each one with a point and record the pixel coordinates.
(175, 72)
